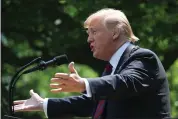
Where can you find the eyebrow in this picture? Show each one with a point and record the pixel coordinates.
(92, 28)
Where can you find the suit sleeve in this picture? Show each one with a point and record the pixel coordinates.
(73, 106)
(137, 76)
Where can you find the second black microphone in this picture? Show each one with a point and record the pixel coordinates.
(56, 61)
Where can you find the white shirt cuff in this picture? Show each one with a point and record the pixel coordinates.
(45, 105)
(88, 90)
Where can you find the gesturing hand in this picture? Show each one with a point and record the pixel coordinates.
(35, 103)
(63, 82)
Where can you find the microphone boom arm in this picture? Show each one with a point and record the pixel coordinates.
(14, 78)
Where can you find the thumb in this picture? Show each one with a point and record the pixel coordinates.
(72, 68)
(32, 92)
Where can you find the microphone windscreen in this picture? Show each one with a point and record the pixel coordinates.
(62, 59)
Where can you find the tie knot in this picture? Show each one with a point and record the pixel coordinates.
(108, 67)
(107, 70)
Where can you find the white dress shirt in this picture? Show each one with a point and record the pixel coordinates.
(113, 61)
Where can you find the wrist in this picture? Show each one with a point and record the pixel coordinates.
(83, 87)
(41, 104)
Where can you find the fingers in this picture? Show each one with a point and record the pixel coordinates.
(23, 108)
(62, 88)
(32, 104)
(56, 85)
(58, 80)
(61, 75)
(59, 86)
(56, 90)
(18, 108)
(65, 82)
(19, 102)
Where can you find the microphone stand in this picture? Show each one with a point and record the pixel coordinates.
(11, 87)
(41, 66)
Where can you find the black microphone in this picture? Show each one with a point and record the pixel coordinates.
(56, 61)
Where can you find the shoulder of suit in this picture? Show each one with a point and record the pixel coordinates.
(143, 52)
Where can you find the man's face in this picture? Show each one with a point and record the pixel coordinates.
(100, 40)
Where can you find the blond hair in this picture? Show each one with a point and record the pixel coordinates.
(113, 19)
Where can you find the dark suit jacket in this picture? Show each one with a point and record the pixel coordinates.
(138, 89)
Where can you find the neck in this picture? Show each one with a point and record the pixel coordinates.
(120, 41)
(120, 44)
(116, 45)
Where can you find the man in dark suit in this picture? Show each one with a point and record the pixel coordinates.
(133, 85)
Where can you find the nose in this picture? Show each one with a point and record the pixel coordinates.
(90, 39)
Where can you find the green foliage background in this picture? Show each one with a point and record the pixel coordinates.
(48, 28)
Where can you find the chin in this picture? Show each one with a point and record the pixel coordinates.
(95, 55)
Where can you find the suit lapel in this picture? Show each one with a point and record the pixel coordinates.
(123, 58)
(129, 50)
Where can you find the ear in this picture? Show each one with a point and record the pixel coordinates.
(116, 33)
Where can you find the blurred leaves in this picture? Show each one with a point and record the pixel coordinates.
(48, 28)
(173, 81)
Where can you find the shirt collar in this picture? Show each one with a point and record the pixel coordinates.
(117, 55)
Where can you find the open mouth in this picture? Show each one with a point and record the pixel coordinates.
(91, 47)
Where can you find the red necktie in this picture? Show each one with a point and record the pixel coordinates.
(101, 103)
